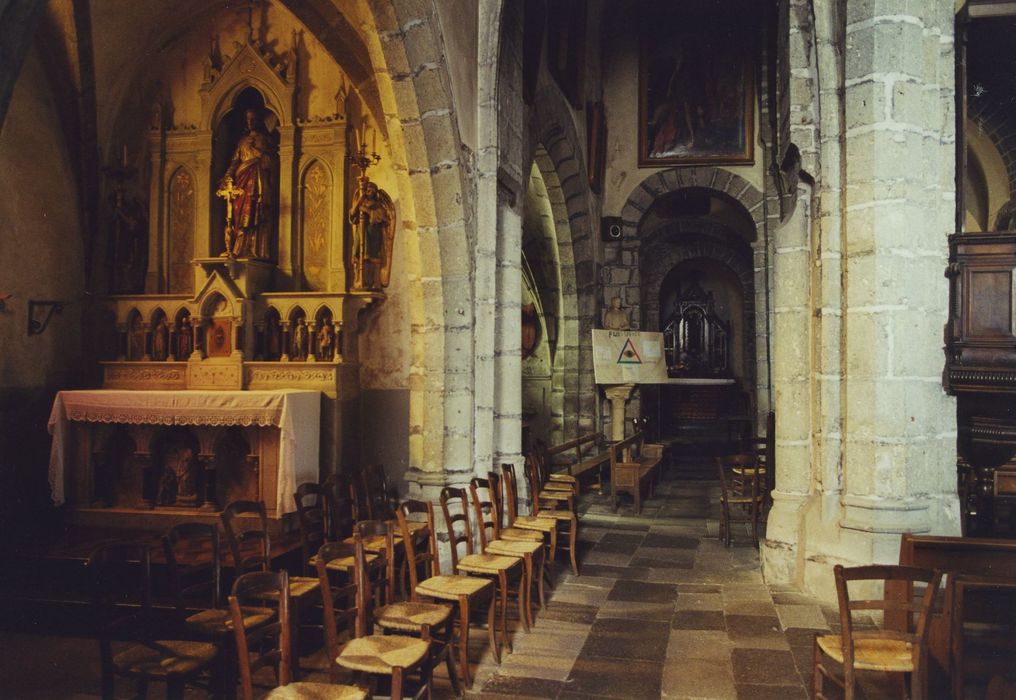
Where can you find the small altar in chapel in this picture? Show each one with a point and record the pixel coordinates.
(247, 247)
(146, 458)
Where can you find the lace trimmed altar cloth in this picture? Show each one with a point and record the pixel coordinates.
(295, 413)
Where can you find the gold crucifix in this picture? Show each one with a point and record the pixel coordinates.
(228, 192)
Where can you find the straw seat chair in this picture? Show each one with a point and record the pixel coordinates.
(426, 580)
(269, 646)
(740, 496)
(890, 651)
(121, 576)
(498, 567)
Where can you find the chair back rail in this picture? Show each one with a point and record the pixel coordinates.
(264, 645)
(195, 568)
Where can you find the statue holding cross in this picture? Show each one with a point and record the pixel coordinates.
(248, 190)
(228, 192)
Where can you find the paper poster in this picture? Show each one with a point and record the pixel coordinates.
(628, 357)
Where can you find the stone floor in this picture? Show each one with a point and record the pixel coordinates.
(661, 609)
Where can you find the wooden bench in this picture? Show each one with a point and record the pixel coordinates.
(594, 462)
(634, 464)
(960, 558)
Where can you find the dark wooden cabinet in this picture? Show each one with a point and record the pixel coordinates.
(980, 349)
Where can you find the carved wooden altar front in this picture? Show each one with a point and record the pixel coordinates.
(127, 457)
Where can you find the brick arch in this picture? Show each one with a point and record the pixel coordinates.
(723, 182)
(555, 148)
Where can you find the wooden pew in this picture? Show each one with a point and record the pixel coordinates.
(594, 461)
(958, 557)
(634, 464)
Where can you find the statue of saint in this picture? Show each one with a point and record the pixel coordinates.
(247, 189)
(184, 339)
(160, 341)
(616, 318)
(300, 341)
(326, 341)
(373, 218)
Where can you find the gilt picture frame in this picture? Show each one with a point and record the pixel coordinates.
(696, 98)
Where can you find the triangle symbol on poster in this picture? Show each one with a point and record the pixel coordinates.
(629, 355)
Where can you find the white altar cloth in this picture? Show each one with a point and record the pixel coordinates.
(297, 414)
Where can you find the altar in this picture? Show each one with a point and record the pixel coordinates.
(123, 457)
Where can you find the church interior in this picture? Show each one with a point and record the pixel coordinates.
(621, 333)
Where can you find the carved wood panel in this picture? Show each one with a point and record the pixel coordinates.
(181, 232)
(317, 187)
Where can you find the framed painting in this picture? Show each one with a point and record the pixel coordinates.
(696, 97)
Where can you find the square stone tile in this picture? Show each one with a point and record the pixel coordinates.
(662, 541)
(619, 543)
(804, 616)
(567, 612)
(757, 593)
(634, 610)
(697, 678)
(752, 691)
(643, 592)
(760, 631)
(605, 558)
(699, 601)
(630, 525)
(640, 573)
(520, 687)
(615, 678)
(764, 667)
(699, 620)
(699, 588)
(580, 594)
(654, 563)
(798, 637)
(627, 639)
(749, 607)
(699, 644)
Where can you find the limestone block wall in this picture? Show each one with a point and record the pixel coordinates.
(866, 435)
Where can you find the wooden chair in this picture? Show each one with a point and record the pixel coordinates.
(508, 541)
(885, 650)
(339, 507)
(195, 572)
(556, 505)
(499, 568)
(251, 550)
(547, 527)
(312, 514)
(740, 498)
(548, 477)
(427, 581)
(402, 617)
(121, 574)
(269, 645)
(377, 493)
(346, 607)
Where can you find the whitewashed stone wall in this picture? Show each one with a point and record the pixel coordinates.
(866, 435)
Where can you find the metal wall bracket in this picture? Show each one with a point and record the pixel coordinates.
(36, 325)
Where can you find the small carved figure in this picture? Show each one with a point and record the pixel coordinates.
(178, 485)
(616, 318)
(160, 341)
(373, 218)
(247, 188)
(300, 341)
(184, 339)
(326, 341)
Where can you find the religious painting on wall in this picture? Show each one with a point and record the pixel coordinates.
(695, 95)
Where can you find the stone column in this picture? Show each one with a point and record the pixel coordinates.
(196, 323)
(899, 425)
(618, 395)
(866, 442)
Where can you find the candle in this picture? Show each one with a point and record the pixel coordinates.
(373, 140)
(123, 157)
